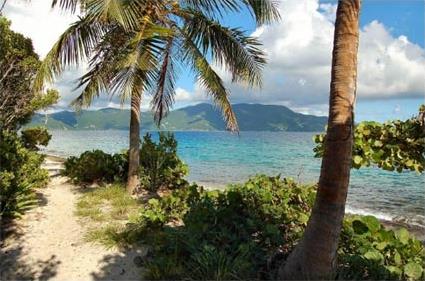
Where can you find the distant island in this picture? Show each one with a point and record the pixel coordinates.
(200, 117)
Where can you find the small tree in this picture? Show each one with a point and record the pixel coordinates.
(18, 66)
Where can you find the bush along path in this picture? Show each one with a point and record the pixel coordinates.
(48, 242)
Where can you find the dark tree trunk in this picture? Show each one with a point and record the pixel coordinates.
(315, 256)
(133, 180)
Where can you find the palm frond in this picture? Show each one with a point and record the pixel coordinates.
(139, 67)
(165, 84)
(73, 46)
(67, 4)
(229, 47)
(212, 7)
(95, 81)
(264, 11)
(115, 11)
(211, 81)
(103, 66)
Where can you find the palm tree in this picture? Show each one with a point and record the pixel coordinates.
(133, 47)
(315, 256)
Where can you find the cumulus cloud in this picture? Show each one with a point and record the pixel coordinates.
(36, 19)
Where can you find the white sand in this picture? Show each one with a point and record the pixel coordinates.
(49, 243)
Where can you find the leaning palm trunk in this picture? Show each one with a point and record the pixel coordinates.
(315, 256)
(133, 181)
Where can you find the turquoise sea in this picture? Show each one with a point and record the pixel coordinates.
(218, 158)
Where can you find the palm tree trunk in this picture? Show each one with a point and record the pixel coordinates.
(315, 256)
(133, 180)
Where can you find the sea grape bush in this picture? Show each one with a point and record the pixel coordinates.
(96, 166)
(160, 165)
(245, 231)
(20, 175)
(369, 251)
(395, 145)
(240, 232)
(34, 137)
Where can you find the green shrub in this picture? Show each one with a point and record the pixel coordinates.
(160, 165)
(247, 230)
(392, 146)
(32, 137)
(96, 166)
(20, 174)
(236, 233)
(368, 251)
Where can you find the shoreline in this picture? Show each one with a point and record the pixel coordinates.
(416, 230)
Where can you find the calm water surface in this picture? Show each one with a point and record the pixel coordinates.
(219, 158)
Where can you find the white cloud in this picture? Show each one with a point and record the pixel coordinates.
(36, 19)
(388, 66)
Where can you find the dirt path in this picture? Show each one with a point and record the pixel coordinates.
(49, 244)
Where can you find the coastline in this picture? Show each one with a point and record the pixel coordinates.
(416, 230)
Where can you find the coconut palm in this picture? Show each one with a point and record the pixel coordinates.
(134, 48)
(315, 256)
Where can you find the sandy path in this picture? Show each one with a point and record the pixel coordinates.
(49, 244)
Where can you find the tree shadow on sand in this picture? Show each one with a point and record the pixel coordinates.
(121, 266)
(14, 262)
(13, 266)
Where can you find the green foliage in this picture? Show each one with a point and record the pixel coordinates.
(243, 232)
(368, 251)
(20, 174)
(32, 137)
(43, 101)
(20, 171)
(96, 166)
(231, 234)
(395, 145)
(18, 66)
(160, 165)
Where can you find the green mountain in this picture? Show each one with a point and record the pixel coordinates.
(201, 117)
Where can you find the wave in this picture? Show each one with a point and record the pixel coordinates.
(416, 220)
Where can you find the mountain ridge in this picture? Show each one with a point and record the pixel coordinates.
(200, 117)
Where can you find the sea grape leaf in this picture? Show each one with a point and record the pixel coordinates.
(372, 223)
(394, 269)
(403, 235)
(381, 246)
(359, 227)
(357, 159)
(373, 255)
(397, 258)
(413, 270)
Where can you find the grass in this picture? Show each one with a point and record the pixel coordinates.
(106, 211)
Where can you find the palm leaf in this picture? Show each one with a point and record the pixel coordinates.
(73, 46)
(264, 11)
(165, 84)
(211, 81)
(229, 47)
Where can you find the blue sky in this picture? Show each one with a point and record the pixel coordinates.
(391, 71)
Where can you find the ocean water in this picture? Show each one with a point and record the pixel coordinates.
(218, 158)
